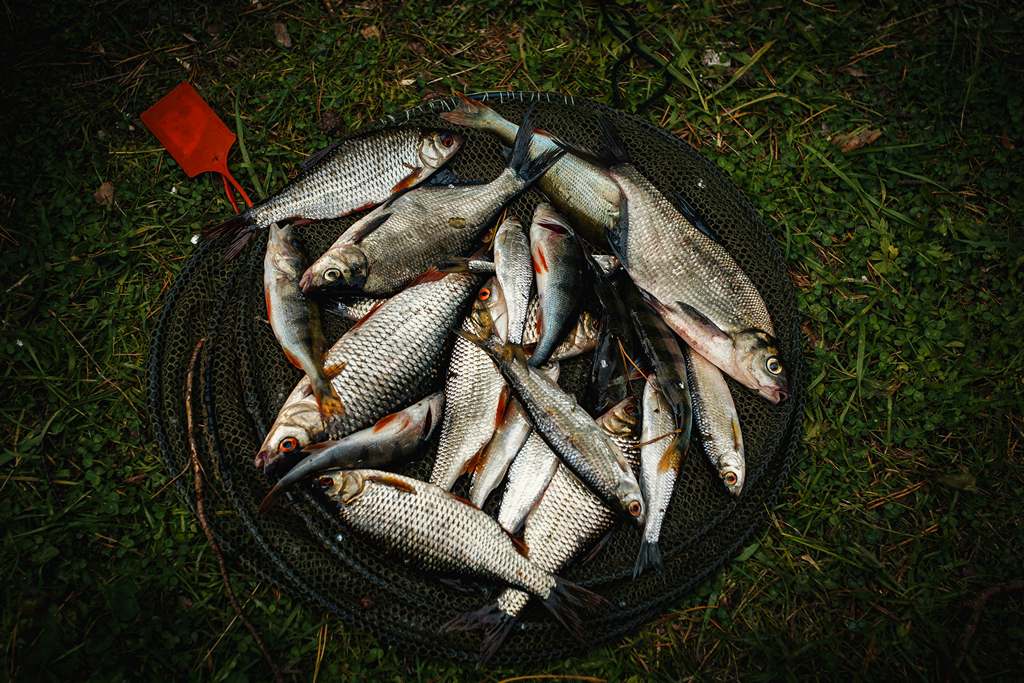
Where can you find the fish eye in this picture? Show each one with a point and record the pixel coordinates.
(485, 294)
(332, 274)
(325, 481)
(773, 365)
(730, 478)
(447, 139)
(634, 508)
(288, 444)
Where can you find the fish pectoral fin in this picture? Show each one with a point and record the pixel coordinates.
(392, 481)
(362, 228)
(409, 180)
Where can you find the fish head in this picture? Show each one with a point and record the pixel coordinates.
(631, 499)
(344, 485)
(489, 309)
(297, 425)
(732, 470)
(284, 251)
(437, 147)
(757, 357)
(621, 419)
(340, 270)
(548, 224)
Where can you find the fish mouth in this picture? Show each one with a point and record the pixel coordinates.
(777, 395)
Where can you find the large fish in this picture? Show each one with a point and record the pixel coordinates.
(389, 442)
(567, 521)
(570, 432)
(514, 275)
(295, 320)
(578, 187)
(513, 428)
(660, 458)
(693, 282)
(557, 263)
(476, 398)
(426, 525)
(392, 357)
(350, 176)
(714, 414)
(388, 247)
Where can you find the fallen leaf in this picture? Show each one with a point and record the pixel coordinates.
(104, 196)
(962, 481)
(407, 81)
(281, 36)
(848, 142)
(371, 32)
(854, 71)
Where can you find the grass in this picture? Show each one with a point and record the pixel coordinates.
(902, 517)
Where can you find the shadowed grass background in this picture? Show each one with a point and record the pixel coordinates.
(896, 549)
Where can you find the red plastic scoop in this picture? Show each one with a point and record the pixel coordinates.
(194, 135)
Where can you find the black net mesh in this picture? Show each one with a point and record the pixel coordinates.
(243, 379)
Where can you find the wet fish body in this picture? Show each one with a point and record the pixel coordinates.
(717, 422)
(528, 478)
(580, 188)
(514, 274)
(390, 358)
(295, 320)
(391, 441)
(557, 264)
(660, 459)
(570, 432)
(353, 175)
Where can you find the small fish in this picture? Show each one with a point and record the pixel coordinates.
(295, 320)
(694, 283)
(568, 430)
(350, 176)
(567, 521)
(476, 399)
(557, 264)
(511, 433)
(660, 459)
(465, 264)
(714, 414)
(392, 356)
(385, 249)
(579, 188)
(350, 309)
(391, 441)
(528, 478)
(427, 525)
(515, 277)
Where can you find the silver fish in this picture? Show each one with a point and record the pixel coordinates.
(475, 400)
(392, 357)
(569, 431)
(580, 339)
(714, 414)
(353, 175)
(660, 458)
(697, 287)
(350, 309)
(558, 265)
(513, 270)
(391, 441)
(296, 320)
(388, 247)
(427, 525)
(528, 478)
(512, 430)
(567, 521)
(579, 188)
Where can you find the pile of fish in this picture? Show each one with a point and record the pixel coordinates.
(462, 316)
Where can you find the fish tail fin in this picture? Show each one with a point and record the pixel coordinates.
(498, 625)
(327, 399)
(241, 227)
(539, 166)
(649, 557)
(519, 161)
(614, 152)
(566, 599)
(470, 113)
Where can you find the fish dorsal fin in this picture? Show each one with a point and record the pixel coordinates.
(683, 206)
(672, 458)
(393, 481)
(314, 158)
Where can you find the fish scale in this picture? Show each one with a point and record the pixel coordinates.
(391, 358)
(716, 420)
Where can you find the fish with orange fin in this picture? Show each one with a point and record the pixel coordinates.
(295, 320)
(391, 441)
(352, 175)
(436, 531)
(558, 267)
(391, 357)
